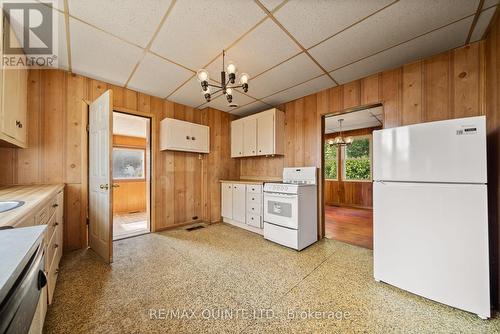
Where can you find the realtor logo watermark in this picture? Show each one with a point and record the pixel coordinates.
(30, 34)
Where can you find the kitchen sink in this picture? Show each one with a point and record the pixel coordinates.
(9, 205)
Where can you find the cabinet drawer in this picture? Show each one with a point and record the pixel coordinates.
(42, 217)
(254, 188)
(254, 220)
(51, 225)
(254, 208)
(53, 205)
(52, 248)
(281, 235)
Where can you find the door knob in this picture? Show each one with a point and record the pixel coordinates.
(104, 186)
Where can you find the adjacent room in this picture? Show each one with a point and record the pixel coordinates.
(131, 175)
(250, 166)
(348, 165)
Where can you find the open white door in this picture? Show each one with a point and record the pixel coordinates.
(100, 176)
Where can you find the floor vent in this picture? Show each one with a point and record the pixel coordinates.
(196, 227)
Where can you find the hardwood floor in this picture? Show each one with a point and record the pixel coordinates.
(350, 225)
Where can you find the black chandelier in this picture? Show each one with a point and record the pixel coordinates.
(203, 77)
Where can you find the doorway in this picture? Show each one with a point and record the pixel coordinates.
(347, 177)
(131, 170)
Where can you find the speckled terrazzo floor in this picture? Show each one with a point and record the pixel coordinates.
(223, 272)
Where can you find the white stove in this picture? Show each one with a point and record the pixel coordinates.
(290, 208)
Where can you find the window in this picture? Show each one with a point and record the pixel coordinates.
(331, 167)
(356, 162)
(128, 164)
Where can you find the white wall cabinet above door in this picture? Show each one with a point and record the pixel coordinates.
(258, 134)
(179, 135)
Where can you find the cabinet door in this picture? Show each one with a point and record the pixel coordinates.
(199, 138)
(10, 103)
(250, 136)
(239, 202)
(173, 135)
(227, 200)
(23, 105)
(265, 133)
(236, 139)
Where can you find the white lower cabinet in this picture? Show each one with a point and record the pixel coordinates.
(241, 205)
(239, 195)
(227, 200)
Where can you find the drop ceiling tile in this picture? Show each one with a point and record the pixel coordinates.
(189, 94)
(251, 108)
(438, 41)
(222, 104)
(292, 72)
(158, 77)
(312, 21)
(271, 4)
(101, 56)
(310, 87)
(261, 49)
(398, 23)
(482, 24)
(132, 20)
(197, 31)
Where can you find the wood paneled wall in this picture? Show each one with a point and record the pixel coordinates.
(493, 128)
(350, 193)
(57, 152)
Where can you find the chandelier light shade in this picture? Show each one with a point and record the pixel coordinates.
(227, 81)
(340, 140)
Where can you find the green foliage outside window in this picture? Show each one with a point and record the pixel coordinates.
(357, 160)
(330, 161)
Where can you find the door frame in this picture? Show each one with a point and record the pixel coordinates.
(154, 149)
(321, 204)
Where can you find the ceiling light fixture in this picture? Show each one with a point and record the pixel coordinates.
(340, 140)
(230, 72)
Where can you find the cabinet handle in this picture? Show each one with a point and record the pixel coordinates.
(55, 205)
(56, 223)
(187, 137)
(260, 151)
(56, 271)
(193, 138)
(19, 124)
(56, 245)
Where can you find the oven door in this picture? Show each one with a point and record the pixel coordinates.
(281, 209)
(18, 308)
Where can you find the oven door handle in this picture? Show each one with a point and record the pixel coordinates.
(281, 195)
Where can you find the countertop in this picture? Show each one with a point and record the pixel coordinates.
(17, 245)
(34, 197)
(247, 181)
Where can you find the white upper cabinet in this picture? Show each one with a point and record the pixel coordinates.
(14, 104)
(179, 135)
(258, 134)
(237, 139)
(249, 136)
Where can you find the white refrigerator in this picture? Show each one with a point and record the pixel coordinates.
(430, 224)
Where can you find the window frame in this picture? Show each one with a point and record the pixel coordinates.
(133, 148)
(325, 142)
(370, 156)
